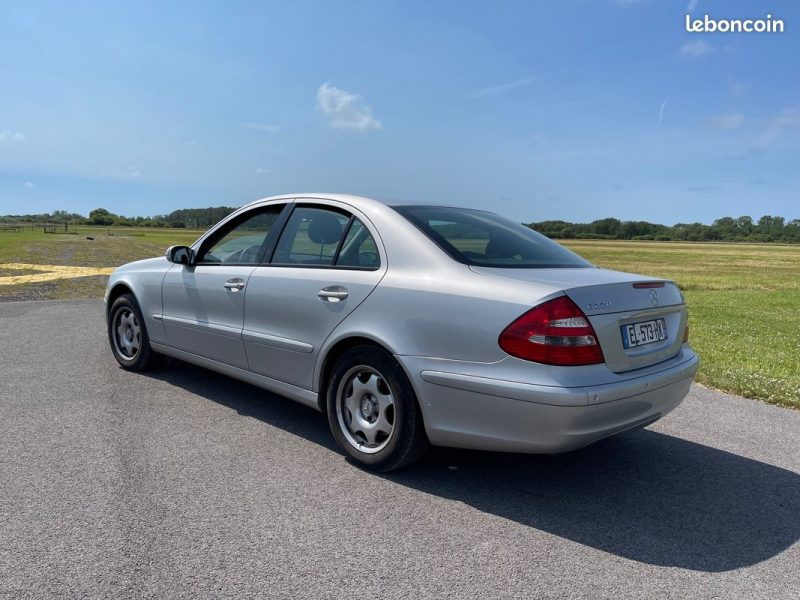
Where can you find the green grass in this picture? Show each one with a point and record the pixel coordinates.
(110, 247)
(744, 299)
(744, 307)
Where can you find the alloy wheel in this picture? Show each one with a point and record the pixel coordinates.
(127, 334)
(365, 409)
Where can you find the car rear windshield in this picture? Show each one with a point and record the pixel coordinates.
(476, 237)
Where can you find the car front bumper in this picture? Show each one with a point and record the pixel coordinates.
(464, 410)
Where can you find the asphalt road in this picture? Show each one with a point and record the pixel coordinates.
(186, 484)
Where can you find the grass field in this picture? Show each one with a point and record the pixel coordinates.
(744, 299)
(744, 307)
(110, 248)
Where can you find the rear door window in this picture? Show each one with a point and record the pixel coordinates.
(359, 248)
(311, 237)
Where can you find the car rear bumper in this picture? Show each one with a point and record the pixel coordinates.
(468, 411)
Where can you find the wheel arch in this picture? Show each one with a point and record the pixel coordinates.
(334, 352)
(118, 289)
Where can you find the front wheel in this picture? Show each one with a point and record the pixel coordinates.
(373, 412)
(127, 335)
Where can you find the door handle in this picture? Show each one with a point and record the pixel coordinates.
(334, 293)
(234, 285)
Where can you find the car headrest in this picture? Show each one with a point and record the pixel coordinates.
(324, 229)
(501, 248)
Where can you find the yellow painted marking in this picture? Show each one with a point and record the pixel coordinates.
(48, 273)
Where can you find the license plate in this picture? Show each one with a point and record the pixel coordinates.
(646, 332)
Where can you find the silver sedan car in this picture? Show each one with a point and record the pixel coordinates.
(410, 325)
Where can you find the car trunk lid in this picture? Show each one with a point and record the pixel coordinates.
(613, 301)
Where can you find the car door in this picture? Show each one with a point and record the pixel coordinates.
(203, 302)
(326, 262)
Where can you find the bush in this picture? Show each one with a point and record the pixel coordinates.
(595, 236)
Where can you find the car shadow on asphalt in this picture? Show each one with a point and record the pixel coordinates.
(642, 495)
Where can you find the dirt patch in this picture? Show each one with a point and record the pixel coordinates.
(14, 293)
(4, 272)
(78, 288)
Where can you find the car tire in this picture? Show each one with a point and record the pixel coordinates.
(127, 335)
(373, 411)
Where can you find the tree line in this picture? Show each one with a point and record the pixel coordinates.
(740, 229)
(191, 218)
(728, 229)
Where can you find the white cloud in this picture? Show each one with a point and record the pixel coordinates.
(11, 136)
(28, 184)
(262, 171)
(737, 88)
(788, 118)
(261, 127)
(131, 173)
(539, 140)
(697, 48)
(345, 110)
(770, 136)
(661, 110)
(692, 5)
(705, 188)
(729, 121)
(511, 85)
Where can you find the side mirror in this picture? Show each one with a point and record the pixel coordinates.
(181, 255)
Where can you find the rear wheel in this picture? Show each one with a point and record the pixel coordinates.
(373, 412)
(127, 335)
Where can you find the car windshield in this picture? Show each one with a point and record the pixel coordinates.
(480, 238)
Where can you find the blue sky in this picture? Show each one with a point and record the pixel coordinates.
(571, 110)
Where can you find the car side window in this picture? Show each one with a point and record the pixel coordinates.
(359, 248)
(311, 237)
(241, 244)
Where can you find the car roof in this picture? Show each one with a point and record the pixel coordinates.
(361, 202)
(357, 201)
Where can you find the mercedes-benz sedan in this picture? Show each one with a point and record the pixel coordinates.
(410, 325)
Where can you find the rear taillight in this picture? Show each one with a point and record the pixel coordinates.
(554, 333)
